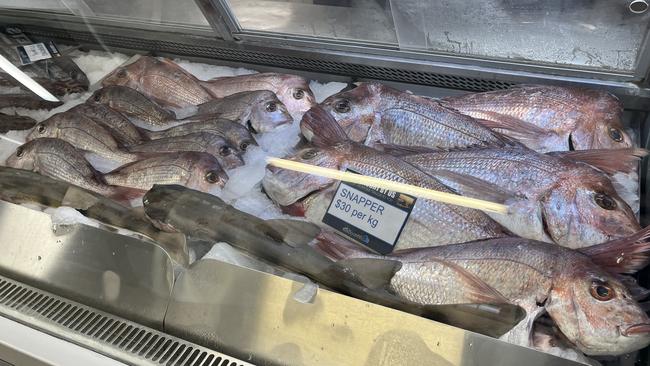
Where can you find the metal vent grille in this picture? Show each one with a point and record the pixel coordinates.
(116, 337)
(324, 66)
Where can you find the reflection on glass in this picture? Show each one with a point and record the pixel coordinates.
(601, 34)
(363, 20)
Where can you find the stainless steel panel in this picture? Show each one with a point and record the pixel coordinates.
(113, 272)
(254, 315)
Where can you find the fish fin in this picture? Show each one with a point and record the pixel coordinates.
(637, 292)
(295, 232)
(79, 198)
(476, 187)
(492, 320)
(610, 161)
(625, 255)
(126, 194)
(326, 130)
(477, 290)
(373, 273)
(334, 246)
(518, 127)
(401, 150)
(146, 134)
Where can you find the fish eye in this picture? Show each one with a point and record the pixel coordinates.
(20, 152)
(615, 134)
(298, 94)
(601, 291)
(309, 154)
(271, 107)
(225, 151)
(41, 128)
(604, 201)
(121, 73)
(342, 106)
(212, 176)
(97, 97)
(244, 145)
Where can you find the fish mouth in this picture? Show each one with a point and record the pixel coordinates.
(251, 129)
(636, 329)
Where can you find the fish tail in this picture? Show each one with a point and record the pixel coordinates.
(610, 161)
(325, 131)
(625, 255)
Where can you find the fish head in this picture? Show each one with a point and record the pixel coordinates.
(23, 158)
(596, 312)
(46, 128)
(295, 94)
(238, 136)
(101, 96)
(125, 74)
(267, 113)
(600, 126)
(206, 172)
(287, 187)
(356, 109)
(228, 155)
(584, 209)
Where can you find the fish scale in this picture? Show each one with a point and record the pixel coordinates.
(182, 98)
(132, 103)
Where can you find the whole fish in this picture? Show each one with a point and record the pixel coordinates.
(214, 145)
(236, 134)
(284, 243)
(292, 90)
(195, 170)
(550, 118)
(125, 132)
(133, 104)
(22, 186)
(260, 111)
(25, 100)
(83, 133)
(60, 160)
(375, 113)
(559, 198)
(15, 123)
(161, 80)
(59, 75)
(430, 222)
(590, 305)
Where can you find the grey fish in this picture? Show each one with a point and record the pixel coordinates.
(15, 123)
(559, 198)
(60, 160)
(588, 302)
(284, 243)
(214, 145)
(28, 101)
(83, 133)
(375, 113)
(194, 170)
(260, 111)
(22, 186)
(125, 132)
(236, 134)
(133, 104)
(430, 223)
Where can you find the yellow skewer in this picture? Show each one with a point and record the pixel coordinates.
(450, 198)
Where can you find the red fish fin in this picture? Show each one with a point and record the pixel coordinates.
(401, 150)
(477, 290)
(476, 187)
(625, 255)
(126, 195)
(610, 161)
(334, 246)
(637, 292)
(515, 125)
(326, 130)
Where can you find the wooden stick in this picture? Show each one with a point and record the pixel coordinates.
(431, 194)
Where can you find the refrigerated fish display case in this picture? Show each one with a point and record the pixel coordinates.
(324, 182)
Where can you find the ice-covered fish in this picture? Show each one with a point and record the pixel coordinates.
(260, 110)
(60, 160)
(590, 305)
(13, 123)
(375, 113)
(25, 100)
(195, 170)
(214, 145)
(550, 118)
(237, 135)
(284, 243)
(162, 80)
(22, 186)
(125, 132)
(292, 90)
(84, 134)
(133, 104)
(430, 223)
(560, 198)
